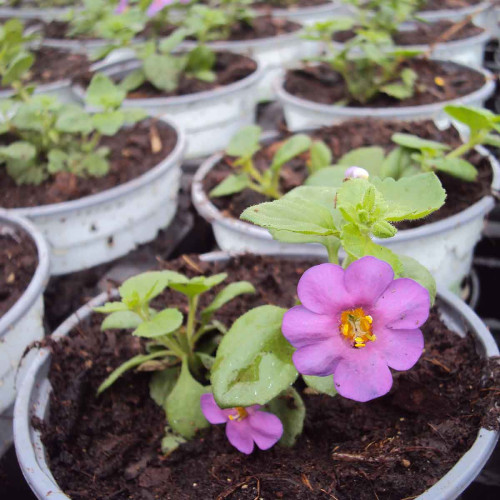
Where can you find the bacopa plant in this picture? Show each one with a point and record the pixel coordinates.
(414, 155)
(246, 143)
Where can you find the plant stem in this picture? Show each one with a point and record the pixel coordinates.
(193, 306)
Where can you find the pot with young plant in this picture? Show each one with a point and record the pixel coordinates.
(229, 25)
(371, 76)
(45, 10)
(24, 264)
(252, 365)
(250, 172)
(96, 185)
(40, 69)
(462, 42)
(209, 94)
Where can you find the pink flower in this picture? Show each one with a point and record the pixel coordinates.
(355, 324)
(122, 6)
(158, 5)
(244, 426)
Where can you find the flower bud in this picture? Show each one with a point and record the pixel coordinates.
(356, 173)
(383, 229)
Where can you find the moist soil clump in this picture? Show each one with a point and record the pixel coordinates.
(393, 447)
(131, 156)
(343, 138)
(323, 85)
(423, 34)
(18, 263)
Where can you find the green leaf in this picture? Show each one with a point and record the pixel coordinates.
(164, 71)
(103, 93)
(147, 286)
(230, 292)
(292, 214)
(164, 323)
(323, 385)
(168, 44)
(57, 160)
(395, 163)
(290, 409)
(201, 58)
(492, 140)
(411, 198)
(133, 115)
(133, 80)
(475, 118)
(234, 183)
(254, 360)
(199, 284)
(245, 142)
(292, 147)
(95, 165)
(111, 307)
(456, 167)
(327, 177)
(162, 383)
(121, 320)
(370, 158)
(109, 122)
(17, 68)
(20, 150)
(321, 156)
(73, 119)
(414, 270)
(183, 405)
(128, 365)
(414, 142)
(171, 442)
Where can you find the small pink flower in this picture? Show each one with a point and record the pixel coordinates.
(356, 173)
(158, 5)
(356, 323)
(122, 7)
(244, 426)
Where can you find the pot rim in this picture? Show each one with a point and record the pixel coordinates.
(351, 112)
(40, 277)
(465, 11)
(211, 213)
(30, 450)
(121, 190)
(304, 11)
(112, 68)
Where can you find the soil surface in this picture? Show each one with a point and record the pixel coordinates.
(424, 34)
(131, 156)
(229, 68)
(18, 263)
(351, 135)
(322, 84)
(394, 447)
(448, 4)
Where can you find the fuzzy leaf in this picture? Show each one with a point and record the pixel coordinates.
(121, 320)
(370, 158)
(327, 177)
(147, 286)
(292, 147)
(227, 294)
(103, 93)
(321, 156)
(163, 323)
(162, 383)
(456, 167)
(232, 184)
(414, 142)
(199, 284)
(323, 385)
(416, 271)
(245, 142)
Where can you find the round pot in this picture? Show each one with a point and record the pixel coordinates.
(273, 54)
(481, 12)
(301, 113)
(445, 247)
(21, 325)
(208, 118)
(29, 13)
(33, 400)
(104, 226)
(311, 15)
(469, 51)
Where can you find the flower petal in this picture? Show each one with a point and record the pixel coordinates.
(318, 359)
(211, 411)
(267, 429)
(239, 435)
(405, 304)
(363, 376)
(401, 348)
(366, 279)
(321, 290)
(302, 327)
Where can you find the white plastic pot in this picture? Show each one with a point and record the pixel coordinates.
(481, 11)
(44, 14)
(33, 401)
(274, 55)
(21, 325)
(208, 118)
(301, 113)
(104, 226)
(445, 247)
(311, 15)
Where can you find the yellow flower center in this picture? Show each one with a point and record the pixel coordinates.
(241, 414)
(356, 327)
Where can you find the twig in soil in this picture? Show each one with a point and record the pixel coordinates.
(192, 264)
(258, 489)
(331, 495)
(351, 457)
(306, 481)
(436, 431)
(438, 363)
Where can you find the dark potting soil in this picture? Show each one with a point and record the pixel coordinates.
(321, 84)
(448, 4)
(229, 68)
(131, 156)
(424, 33)
(18, 263)
(392, 448)
(343, 138)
